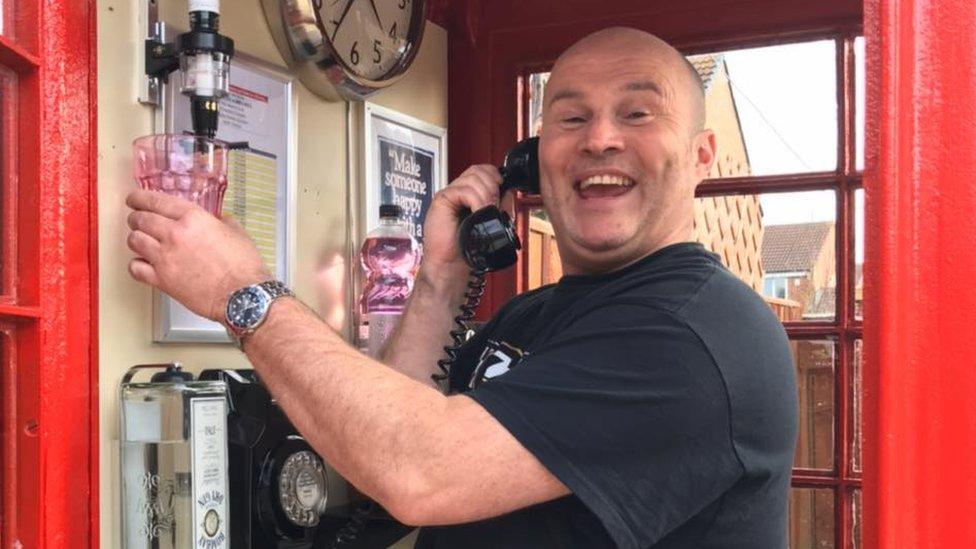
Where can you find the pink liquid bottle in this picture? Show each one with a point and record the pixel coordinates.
(390, 256)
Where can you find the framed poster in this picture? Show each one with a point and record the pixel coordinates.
(405, 163)
(257, 114)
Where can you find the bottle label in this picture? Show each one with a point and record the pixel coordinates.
(205, 5)
(208, 425)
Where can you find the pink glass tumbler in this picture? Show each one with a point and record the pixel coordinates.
(191, 167)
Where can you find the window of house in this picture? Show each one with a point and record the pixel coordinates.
(776, 286)
(782, 198)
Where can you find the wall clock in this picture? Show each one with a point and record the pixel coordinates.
(347, 49)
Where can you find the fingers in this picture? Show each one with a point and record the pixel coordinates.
(141, 270)
(475, 188)
(163, 204)
(150, 223)
(485, 177)
(145, 246)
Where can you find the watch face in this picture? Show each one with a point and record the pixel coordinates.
(247, 307)
(371, 37)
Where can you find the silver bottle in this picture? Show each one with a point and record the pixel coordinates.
(173, 436)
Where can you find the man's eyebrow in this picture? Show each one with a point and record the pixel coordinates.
(643, 85)
(564, 94)
(637, 86)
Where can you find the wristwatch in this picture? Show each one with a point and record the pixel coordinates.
(248, 307)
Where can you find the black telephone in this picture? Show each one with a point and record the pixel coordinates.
(489, 242)
(279, 485)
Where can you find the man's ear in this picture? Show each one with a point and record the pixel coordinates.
(704, 152)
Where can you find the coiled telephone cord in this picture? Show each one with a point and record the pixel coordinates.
(472, 297)
(352, 529)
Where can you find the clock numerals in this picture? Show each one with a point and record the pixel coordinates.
(377, 56)
(354, 53)
(393, 31)
(402, 4)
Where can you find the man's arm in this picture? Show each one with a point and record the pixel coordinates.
(427, 458)
(423, 331)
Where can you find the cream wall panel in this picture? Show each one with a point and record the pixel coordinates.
(125, 307)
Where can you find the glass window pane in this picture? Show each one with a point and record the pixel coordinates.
(537, 86)
(540, 251)
(811, 518)
(773, 109)
(859, 91)
(858, 279)
(781, 244)
(856, 520)
(815, 366)
(856, 453)
(8, 19)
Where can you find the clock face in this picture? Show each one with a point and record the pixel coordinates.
(370, 37)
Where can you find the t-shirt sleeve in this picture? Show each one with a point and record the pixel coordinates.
(626, 407)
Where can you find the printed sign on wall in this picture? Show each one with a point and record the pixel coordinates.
(407, 179)
(406, 164)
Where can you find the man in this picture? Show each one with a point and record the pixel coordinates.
(649, 398)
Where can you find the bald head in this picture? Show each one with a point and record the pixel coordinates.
(619, 41)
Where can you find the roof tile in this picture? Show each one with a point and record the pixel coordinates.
(793, 248)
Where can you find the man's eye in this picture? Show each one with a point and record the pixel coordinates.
(637, 115)
(574, 120)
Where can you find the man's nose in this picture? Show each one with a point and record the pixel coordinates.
(602, 136)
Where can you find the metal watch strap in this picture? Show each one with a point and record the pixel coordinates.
(275, 289)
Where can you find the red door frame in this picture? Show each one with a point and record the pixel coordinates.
(919, 195)
(49, 307)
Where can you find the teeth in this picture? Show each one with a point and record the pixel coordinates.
(606, 179)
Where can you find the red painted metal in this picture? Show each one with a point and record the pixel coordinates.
(438, 11)
(920, 261)
(15, 56)
(49, 379)
(17, 312)
(67, 404)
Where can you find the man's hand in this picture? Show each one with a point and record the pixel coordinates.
(476, 188)
(191, 255)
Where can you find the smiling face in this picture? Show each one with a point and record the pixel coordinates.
(621, 150)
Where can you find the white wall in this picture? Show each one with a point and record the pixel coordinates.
(125, 307)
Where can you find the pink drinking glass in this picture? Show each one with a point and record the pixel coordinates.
(191, 167)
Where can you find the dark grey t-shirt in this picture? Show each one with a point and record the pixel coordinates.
(662, 395)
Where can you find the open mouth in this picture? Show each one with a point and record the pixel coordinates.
(604, 185)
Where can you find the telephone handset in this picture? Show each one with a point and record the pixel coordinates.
(486, 237)
(489, 242)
